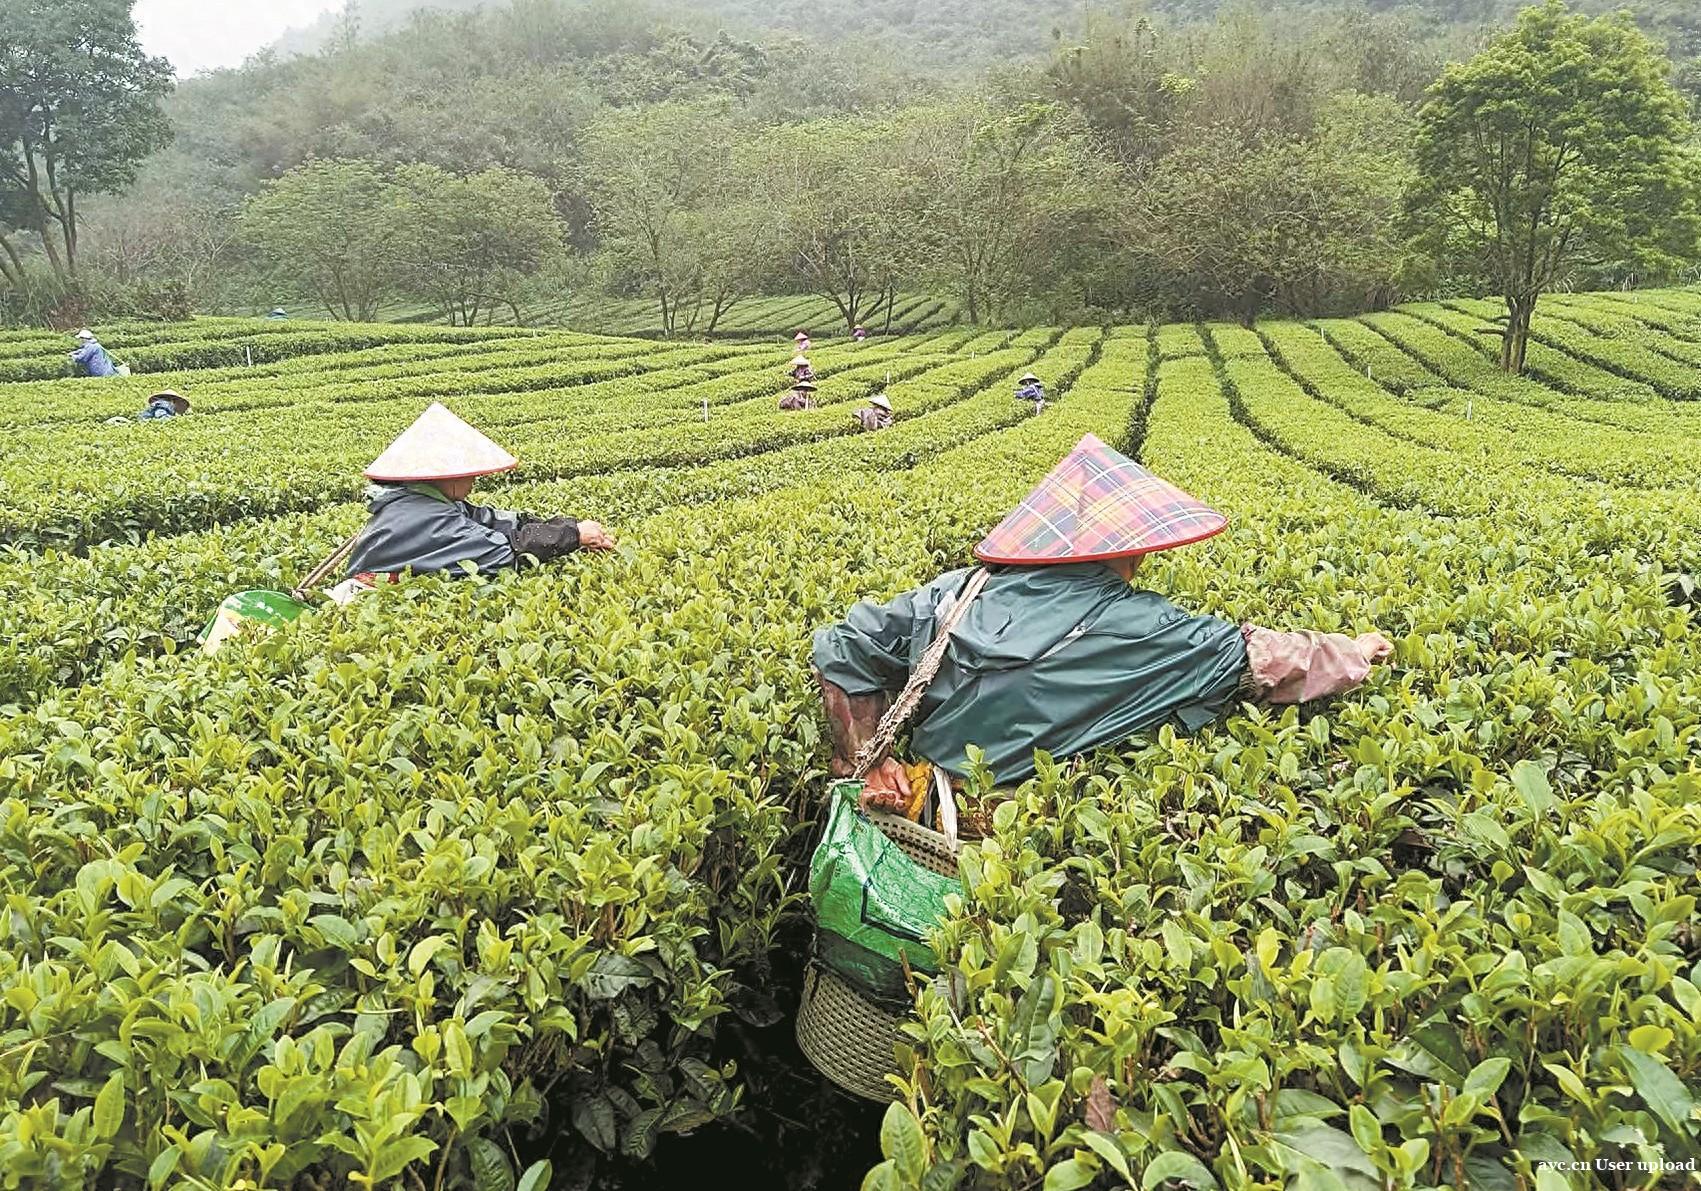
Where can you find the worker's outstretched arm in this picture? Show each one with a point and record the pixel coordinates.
(1297, 667)
(546, 538)
(852, 721)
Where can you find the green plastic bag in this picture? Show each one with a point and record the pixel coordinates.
(873, 904)
(267, 609)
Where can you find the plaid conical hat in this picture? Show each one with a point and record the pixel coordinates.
(1096, 505)
(439, 446)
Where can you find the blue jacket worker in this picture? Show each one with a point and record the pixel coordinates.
(90, 358)
(1030, 389)
(168, 403)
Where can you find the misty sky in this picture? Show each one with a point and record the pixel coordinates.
(204, 34)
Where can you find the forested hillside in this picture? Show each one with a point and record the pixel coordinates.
(978, 33)
(1014, 160)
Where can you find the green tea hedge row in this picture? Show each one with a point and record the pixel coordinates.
(1497, 432)
(62, 617)
(352, 376)
(263, 346)
(1382, 361)
(487, 904)
(110, 483)
(1468, 368)
(1629, 359)
(1430, 939)
(1548, 364)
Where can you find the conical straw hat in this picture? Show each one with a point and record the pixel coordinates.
(1096, 505)
(439, 446)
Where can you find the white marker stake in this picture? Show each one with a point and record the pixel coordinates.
(1470, 403)
(705, 407)
(249, 352)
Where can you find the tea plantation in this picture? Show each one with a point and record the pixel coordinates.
(490, 884)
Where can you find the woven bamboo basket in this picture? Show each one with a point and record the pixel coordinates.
(850, 1039)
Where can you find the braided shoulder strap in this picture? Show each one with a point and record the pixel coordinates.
(897, 715)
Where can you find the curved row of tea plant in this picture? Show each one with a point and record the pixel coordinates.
(154, 596)
(1433, 937)
(84, 485)
(451, 933)
(473, 873)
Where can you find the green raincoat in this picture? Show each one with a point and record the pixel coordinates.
(1063, 658)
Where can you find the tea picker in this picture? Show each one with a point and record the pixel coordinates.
(1031, 388)
(89, 358)
(1049, 645)
(421, 522)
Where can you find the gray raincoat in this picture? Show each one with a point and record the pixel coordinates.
(1062, 658)
(415, 527)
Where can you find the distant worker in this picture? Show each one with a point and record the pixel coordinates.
(802, 396)
(878, 415)
(1030, 389)
(167, 403)
(860, 333)
(421, 519)
(277, 312)
(802, 341)
(90, 358)
(801, 369)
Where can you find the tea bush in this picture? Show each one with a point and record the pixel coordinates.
(464, 885)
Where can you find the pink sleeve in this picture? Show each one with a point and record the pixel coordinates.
(1302, 666)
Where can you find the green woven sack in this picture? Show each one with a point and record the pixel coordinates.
(873, 905)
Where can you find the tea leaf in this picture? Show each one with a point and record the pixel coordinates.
(1180, 1167)
(1659, 1089)
(901, 1141)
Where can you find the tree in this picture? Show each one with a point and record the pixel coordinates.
(335, 227)
(1129, 86)
(1305, 225)
(469, 243)
(156, 235)
(1003, 195)
(1562, 143)
(662, 186)
(79, 110)
(838, 200)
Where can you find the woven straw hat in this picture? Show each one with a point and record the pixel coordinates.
(439, 446)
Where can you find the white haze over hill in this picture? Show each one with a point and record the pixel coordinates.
(197, 35)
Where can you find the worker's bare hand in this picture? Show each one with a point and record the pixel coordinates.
(1375, 647)
(886, 788)
(592, 536)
